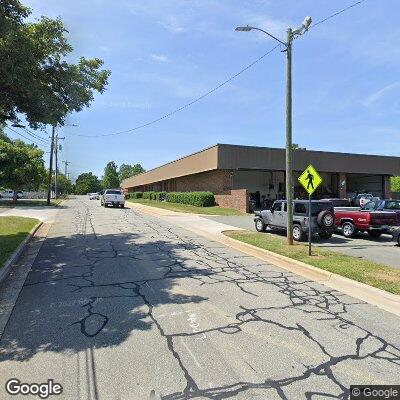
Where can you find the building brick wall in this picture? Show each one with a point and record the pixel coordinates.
(217, 182)
(237, 199)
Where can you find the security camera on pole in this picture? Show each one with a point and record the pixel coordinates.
(291, 34)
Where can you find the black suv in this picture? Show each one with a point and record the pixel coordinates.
(322, 218)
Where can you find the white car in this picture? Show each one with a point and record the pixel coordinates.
(9, 194)
(94, 196)
(113, 197)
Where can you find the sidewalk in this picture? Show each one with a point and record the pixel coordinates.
(214, 231)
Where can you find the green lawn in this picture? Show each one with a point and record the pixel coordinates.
(13, 231)
(187, 208)
(6, 203)
(368, 272)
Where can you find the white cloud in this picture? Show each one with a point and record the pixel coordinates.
(376, 97)
(159, 58)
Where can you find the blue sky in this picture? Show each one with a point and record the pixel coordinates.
(164, 53)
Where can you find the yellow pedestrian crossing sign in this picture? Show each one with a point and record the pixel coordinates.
(310, 179)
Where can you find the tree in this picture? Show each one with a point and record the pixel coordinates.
(126, 171)
(110, 177)
(64, 185)
(395, 183)
(87, 183)
(35, 78)
(21, 165)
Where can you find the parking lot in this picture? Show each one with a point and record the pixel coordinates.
(381, 250)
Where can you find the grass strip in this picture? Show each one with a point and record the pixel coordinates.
(368, 272)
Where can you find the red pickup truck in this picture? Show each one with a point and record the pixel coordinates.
(373, 222)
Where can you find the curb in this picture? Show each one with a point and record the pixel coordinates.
(4, 271)
(371, 295)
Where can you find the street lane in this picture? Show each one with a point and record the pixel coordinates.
(120, 304)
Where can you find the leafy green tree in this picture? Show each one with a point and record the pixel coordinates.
(35, 78)
(395, 181)
(87, 183)
(21, 165)
(126, 171)
(110, 177)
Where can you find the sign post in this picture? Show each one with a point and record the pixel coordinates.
(310, 180)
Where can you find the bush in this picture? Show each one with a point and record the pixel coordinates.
(147, 195)
(198, 199)
(135, 195)
(160, 196)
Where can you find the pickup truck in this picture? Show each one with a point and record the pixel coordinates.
(112, 197)
(384, 205)
(373, 222)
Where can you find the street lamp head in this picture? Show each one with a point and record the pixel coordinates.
(303, 28)
(243, 28)
(306, 23)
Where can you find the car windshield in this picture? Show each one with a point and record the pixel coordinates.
(371, 205)
(113, 192)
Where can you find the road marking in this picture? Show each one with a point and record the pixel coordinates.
(192, 355)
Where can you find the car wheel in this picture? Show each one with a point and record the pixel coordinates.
(122, 205)
(105, 205)
(398, 240)
(375, 233)
(326, 219)
(260, 226)
(325, 235)
(298, 234)
(349, 229)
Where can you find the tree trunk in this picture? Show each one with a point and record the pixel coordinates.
(15, 196)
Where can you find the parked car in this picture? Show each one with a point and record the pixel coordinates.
(384, 205)
(112, 197)
(9, 194)
(396, 236)
(322, 218)
(355, 201)
(373, 222)
(94, 196)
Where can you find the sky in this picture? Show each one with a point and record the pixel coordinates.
(164, 53)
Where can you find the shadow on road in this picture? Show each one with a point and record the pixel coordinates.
(92, 284)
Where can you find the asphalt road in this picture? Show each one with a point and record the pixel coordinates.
(382, 250)
(120, 305)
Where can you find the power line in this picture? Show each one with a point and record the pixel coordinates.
(190, 103)
(26, 138)
(35, 135)
(335, 14)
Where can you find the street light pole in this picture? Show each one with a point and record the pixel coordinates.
(289, 147)
(291, 34)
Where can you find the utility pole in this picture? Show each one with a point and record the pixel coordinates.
(66, 167)
(291, 34)
(53, 131)
(289, 147)
(56, 169)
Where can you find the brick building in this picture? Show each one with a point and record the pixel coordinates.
(233, 172)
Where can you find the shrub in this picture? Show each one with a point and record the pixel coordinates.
(135, 195)
(147, 195)
(160, 196)
(198, 199)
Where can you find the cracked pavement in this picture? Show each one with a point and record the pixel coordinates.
(121, 305)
